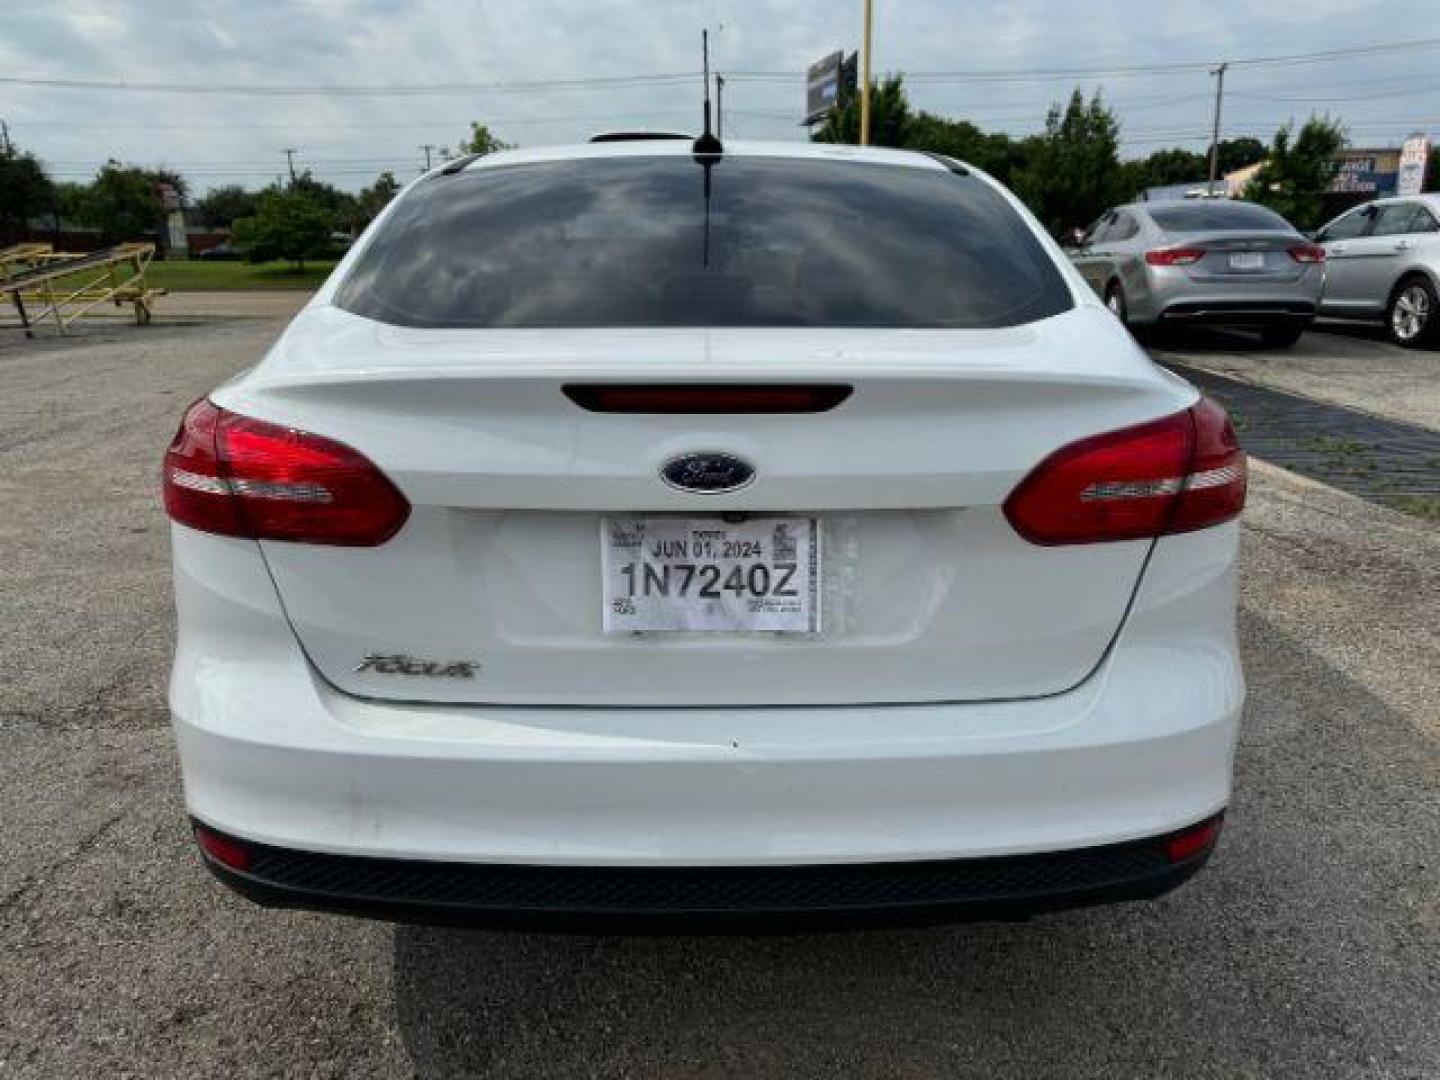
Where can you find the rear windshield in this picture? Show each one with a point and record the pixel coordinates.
(638, 242)
(1217, 217)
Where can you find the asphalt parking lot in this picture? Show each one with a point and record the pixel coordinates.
(1310, 947)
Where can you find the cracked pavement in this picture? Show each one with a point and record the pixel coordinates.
(1310, 947)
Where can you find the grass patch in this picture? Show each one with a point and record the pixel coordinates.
(195, 276)
(1328, 444)
(1422, 506)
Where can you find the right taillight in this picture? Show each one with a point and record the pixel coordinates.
(1307, 253)
(236, 476)
(1173, 475)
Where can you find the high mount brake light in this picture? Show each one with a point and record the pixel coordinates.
(1174, 256)
(707, 398)
(236, 476)
(1174, 475)
(1307, 253)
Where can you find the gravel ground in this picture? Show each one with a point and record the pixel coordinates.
(1309, 948)
(1350, 364)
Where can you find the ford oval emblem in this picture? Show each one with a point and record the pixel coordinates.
(710, 474)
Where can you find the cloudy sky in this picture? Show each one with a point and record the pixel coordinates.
(217, 88)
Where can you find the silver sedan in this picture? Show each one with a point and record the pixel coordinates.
(1212, 262)
(1383, 262)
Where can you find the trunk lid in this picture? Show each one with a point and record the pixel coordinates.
(928, 593)
(1237, 257)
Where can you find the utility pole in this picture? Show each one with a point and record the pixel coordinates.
(1219, 74)
(5, 137)
(290, 153)
(427, 148)
(865, 79)
(720, 106)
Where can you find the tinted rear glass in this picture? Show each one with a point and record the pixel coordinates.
(1218, 217)
(636, 242)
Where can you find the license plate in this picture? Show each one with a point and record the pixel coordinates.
(1247, 260)
(671, 574)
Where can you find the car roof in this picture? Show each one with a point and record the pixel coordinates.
(1429, 198)
(1147, 206)
(804, 151)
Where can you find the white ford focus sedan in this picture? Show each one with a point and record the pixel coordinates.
(631, 537)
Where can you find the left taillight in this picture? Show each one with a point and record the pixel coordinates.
(1307, 253)
(236, 476)
(1181, 256)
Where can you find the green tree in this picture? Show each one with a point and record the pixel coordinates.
(480, 141)
(1298, 170)
(170, 177)
(377, 196)
(1237, 153)
(289, 223)
(123, 203)
(341, 207)
(994, 151)
(70, 199)
(222, 205)
(25, 191)
(894, 122)
(1173, 166)
(891, 119)
(1073, 172)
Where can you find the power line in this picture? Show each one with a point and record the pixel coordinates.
(627, 81)
(344, 90)
(998, 75)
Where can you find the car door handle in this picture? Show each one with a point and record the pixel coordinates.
(1404, 245)
(1337, 249)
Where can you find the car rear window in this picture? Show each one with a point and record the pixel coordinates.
(636, 241)
(1218, 217)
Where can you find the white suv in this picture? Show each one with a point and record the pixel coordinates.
(626, 536)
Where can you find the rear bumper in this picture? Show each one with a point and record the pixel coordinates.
(1171, 296)
(273, 756)
(708, 899)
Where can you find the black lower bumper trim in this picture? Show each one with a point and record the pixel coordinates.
(1240, 313)
(706, 899)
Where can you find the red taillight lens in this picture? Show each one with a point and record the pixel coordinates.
(1214, 487)
(195, 492)
(1192, 841)
(235, 476)
(1307, 253)
(222, 849)
(1178, 474)
(1174, 256)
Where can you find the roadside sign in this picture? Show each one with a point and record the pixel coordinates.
(1365, 172)
(822, 86)
(1414, 157)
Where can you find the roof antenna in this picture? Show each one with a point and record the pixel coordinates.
(707, 145)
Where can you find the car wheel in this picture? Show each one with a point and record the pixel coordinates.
(1413, 317)
(1281, 336)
